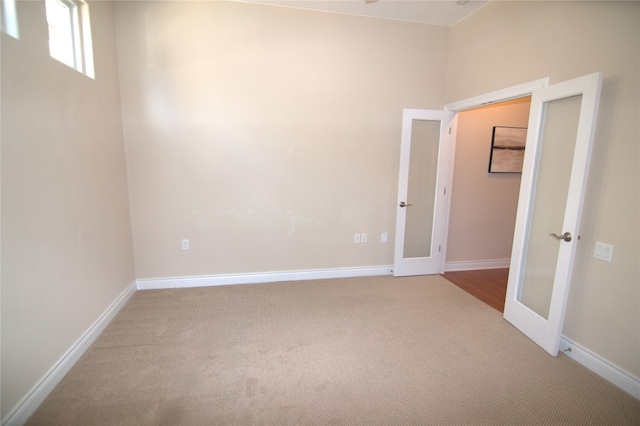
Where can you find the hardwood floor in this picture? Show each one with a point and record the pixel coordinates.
(488, 285)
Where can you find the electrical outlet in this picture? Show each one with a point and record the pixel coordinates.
(364, 237)
(356, 238)
(185, 244)
(384, 237)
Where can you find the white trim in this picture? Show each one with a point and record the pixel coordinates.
(448, 184)
(501, 95)
(37, 394)
(603, 368)
(260, 277)
(476, 264)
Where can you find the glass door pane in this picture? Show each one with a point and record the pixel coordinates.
(421, 190)
(549, 199)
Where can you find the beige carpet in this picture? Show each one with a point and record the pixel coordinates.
(366, 351)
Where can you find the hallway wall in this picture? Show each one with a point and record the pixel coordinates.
(483, 204)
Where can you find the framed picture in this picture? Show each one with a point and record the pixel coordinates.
(507, 149)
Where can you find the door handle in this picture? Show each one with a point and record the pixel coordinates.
(566, 236)
(403, 204)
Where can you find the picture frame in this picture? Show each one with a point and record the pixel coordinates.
(507, 149)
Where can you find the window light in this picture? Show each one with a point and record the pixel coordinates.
(9, 19)
(70, 34)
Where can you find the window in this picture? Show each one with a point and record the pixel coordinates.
(70, 34)
(9, 18)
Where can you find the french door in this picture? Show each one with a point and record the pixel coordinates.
(420, 205)
(560, 135)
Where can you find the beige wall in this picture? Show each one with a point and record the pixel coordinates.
(483, 204)
(66, 240)
(508, 43)
(267, 136)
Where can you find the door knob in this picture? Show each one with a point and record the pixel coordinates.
(403, 204)
(566, 236)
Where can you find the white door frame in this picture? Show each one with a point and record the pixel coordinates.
(502, 95)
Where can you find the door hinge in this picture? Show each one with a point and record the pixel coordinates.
(439, 248)
(449, 130)
(445, 191)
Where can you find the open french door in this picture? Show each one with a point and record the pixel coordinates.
(560, 135)
(420, 206)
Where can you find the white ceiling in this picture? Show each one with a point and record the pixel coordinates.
(436, 12)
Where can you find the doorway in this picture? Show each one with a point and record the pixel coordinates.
(471, 271)
(560, 135)
(483, 204)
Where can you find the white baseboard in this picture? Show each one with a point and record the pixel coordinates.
(603, 368)
(476, 264)
(262, 277)
(37, 394)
